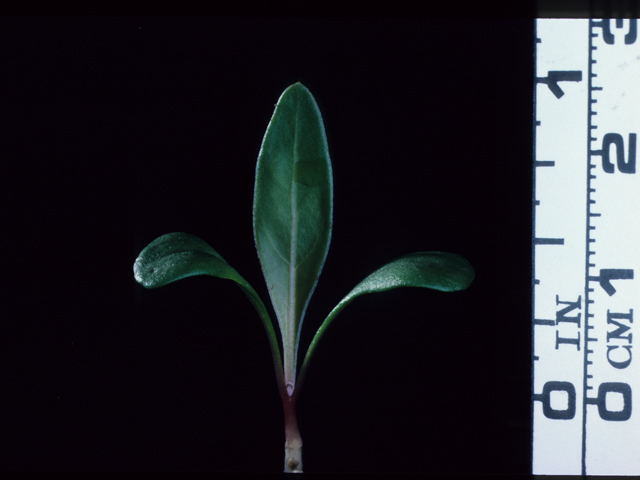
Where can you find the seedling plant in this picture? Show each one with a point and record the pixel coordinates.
(292, 224)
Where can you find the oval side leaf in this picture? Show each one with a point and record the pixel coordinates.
(442, 271)
(179, 255)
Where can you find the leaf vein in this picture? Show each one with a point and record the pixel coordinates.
(273, 246)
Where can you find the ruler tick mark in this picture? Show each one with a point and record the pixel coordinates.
(544, 163)
(548, 241)
(544, 322)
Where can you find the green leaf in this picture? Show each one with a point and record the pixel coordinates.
(175, 256)
(179, 255)
(292, 211)
(442, 271)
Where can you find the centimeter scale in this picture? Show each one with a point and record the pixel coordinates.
(586, 248)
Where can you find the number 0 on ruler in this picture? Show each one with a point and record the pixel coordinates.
(586, 248)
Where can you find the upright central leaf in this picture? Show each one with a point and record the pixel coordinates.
(292, 212)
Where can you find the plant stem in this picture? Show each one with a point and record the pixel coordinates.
(293, 441)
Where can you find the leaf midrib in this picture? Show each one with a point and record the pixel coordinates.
(291, 334)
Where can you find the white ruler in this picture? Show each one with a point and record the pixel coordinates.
(586, 248)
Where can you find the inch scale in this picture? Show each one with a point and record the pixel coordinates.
(586, 248)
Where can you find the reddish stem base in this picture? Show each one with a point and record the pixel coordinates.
(293, 441)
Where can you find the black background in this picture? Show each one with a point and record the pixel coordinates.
(118, 130)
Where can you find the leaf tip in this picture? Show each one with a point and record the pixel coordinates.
(299, 86)
(140, 275)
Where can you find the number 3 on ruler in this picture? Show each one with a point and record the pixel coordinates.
(586, 248)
